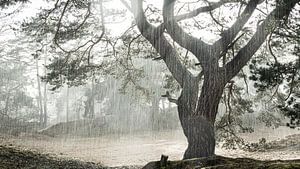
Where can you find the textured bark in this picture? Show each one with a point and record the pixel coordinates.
(200, 136)
(198, 121)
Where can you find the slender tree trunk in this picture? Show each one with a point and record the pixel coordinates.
(154, 114)
(40, 92)
(45, 106)
(6, 105)
(163, 106)
(92, 108)
(89, 108)
(58, 116)
(67, 109)
(45, 96)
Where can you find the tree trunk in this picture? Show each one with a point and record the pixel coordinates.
(198, 121)
(40, 93)
(67, 109)
(199, 132)
(45, 95)
(155, 113)
(201, 138)
(92, 108)
(45, 106)
(89, 107)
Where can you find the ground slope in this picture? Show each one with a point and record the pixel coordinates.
(13, 158)
(219, 162)
(16, 158)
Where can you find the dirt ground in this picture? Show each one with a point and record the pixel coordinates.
(18, 158)
(12, 158)
(139, 149)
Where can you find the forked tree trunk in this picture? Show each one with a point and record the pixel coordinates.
(198, 121)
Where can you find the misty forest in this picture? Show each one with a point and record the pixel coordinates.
(147, 84)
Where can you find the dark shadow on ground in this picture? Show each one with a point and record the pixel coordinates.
(15, 158)
(219, 162)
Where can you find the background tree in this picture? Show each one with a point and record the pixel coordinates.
(17, 108)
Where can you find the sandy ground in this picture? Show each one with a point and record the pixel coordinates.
(139, 149)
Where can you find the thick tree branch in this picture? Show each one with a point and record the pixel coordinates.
(126, 5)
(273, 20)
(199, 48)
(157, 39)
(229, 35)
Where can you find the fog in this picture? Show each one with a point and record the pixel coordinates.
(112, 82)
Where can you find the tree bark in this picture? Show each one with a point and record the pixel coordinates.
(198, 131)
(200, 136)
(198, 121)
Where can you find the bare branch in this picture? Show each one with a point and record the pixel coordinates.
(59, 25)
(270, 48)
(245, 81)
(212, 6)
(102, 34)
(91, 42)
(129, 45)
